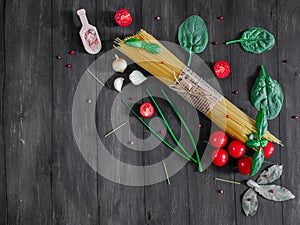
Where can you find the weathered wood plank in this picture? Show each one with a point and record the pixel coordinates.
(166, 204)
(245, 69)
(206, 204)
(289, 77)
(118, 204)
(74, 182)
(27, 112)
(3, 204)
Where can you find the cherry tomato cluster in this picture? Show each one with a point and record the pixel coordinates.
(236, 149)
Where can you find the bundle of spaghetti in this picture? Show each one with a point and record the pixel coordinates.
(166, 67)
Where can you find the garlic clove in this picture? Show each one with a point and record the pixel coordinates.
(136, 77)
(118, 83)
(119, 64)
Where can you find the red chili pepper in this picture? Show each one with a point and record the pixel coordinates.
(123, 18)
(295, 117)
(221, 17)
(222, 69)
(146, 110)
(235, 92)
(215, 43)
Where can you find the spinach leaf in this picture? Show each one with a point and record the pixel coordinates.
(261, 123)
(257, 161)
(256, 40)
(267, 94)
(193, 35)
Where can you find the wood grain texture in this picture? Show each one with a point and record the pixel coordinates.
(27, 112)
(118, 204)
(74, 184)
(3, 203)
(246, 68)
(165, 204)
(44, 179)
(288, 34)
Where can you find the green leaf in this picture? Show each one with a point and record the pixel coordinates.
(153, 48)
(269, 175)
(267, 94)
(275, 192)
(250, 202)
(257, 161)
(263, 142)
(256, 40)
(252, 143)
(135, 43)
(193, 35)
(261, 123)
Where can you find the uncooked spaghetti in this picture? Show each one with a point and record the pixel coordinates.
(180, 78)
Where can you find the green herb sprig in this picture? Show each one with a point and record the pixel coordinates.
(267, 97)
(149, 47)
(185, 153)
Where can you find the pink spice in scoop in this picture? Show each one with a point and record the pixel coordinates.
(91, 37)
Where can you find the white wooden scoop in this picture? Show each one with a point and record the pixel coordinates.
(89, 34)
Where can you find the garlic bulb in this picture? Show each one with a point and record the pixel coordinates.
(118, 83)
(136, 77)
(119, 64)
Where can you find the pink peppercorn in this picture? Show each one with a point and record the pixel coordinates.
(58, 57)
(69, 65)
(72, 52)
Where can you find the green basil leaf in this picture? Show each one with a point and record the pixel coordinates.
(193, 35)
(252, 143)
(263, 142)
(257, 161)
(256, 40)
(267, 94)
(135, 43)
(153, 48)
(278, 193)
(261, 123)
(250, 202)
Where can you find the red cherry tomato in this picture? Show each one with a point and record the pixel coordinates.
(236, 149)
(123, 18)
(146, 110)
(218, 139)
(222, 69)
(269, 150)
(245, 165)
(219, 157)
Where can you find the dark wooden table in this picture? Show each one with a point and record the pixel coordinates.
(44, 178)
